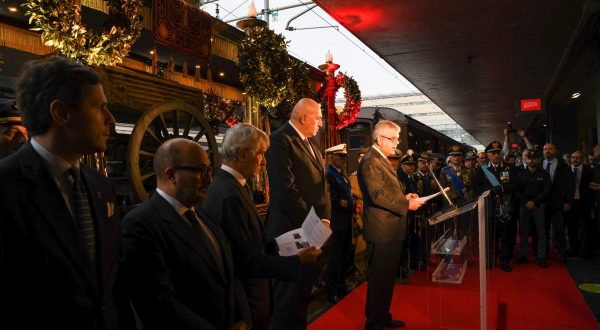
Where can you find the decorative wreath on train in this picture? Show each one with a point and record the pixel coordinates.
(353, 99)
(57, 20)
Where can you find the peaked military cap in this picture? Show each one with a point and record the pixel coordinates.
(455, 150)
(471, 155)
(9, 114)
(339, 149)
(397, 154)
(535, 152)
(494, 146)
(408, 159)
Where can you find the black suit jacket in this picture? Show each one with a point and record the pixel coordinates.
(173, 277)
(586, 194)
(230, 205)
(46, 279)
(297, 182)
(563, 186)
(384, 204)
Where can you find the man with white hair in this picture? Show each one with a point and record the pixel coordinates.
(229, 201)
(385, 209)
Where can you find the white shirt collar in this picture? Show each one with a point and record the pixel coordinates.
(297, 130)
(177, 206)
(239, 177)
(379, 151)
(54, 163)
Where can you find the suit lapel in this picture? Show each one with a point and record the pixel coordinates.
(241, 190)
(317, 160)
(185, 233)
(384, 162)
(48, 201)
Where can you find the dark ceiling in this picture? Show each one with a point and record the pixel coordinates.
(472, 58)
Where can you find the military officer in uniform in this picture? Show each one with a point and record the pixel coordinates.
(470, 160)
(342, 208)
(501, 180)
(457, 177)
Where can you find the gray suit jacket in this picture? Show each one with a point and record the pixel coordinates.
(384, 204)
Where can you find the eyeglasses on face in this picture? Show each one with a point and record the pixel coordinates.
(202, 169)
(392, 139)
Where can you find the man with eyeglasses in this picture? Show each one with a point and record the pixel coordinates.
(177, 261)
(384, 217)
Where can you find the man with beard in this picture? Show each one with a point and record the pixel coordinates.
(560, 199)
(534, 189)
(177, 262)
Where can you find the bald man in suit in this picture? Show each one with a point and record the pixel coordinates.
(297, 181)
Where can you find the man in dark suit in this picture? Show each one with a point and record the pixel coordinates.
(560, 199)
(229, 202)
(297, 182)
(177, 261)
(384, 216)
(578, 217)
(59, 232)
(339, 257)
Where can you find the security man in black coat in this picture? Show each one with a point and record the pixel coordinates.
(501, 180)
(534, 189)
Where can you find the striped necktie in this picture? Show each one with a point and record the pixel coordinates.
(83, 213)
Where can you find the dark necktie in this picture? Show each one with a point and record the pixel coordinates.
(575, 172)
(310, 150)
(207, 236)
(248, 191)
(83, 213)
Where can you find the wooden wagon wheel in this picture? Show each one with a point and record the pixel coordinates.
(168, 120)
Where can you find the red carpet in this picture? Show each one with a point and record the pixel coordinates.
(528, 298)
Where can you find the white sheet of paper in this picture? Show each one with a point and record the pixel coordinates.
(426, 198)
(312, 233)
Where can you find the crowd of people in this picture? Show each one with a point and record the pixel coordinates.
(196, 254)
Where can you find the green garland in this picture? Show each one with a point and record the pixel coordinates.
(264, 66)
(57, 21)
(273, 78)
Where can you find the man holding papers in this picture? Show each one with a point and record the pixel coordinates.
(297, 182)
(384, 216)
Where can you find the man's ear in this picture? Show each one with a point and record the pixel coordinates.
(60, 112)
(170, 175)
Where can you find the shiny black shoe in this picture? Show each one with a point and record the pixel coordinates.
(542, 263)
(394, 324)
(334, 298)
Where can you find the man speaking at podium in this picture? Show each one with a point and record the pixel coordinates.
(384, 217)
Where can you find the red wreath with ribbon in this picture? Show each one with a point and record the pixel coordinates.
(352, 95)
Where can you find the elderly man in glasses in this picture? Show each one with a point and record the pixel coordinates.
(385, 209)
(178, 263)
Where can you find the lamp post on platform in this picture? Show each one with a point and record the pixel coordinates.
(329, 67)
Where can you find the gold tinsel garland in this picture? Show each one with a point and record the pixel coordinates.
(59, 22)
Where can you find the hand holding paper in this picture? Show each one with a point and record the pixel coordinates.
(426, 198)
(312, 233)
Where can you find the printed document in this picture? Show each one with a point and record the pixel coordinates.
(312, 233)
(426, 198)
